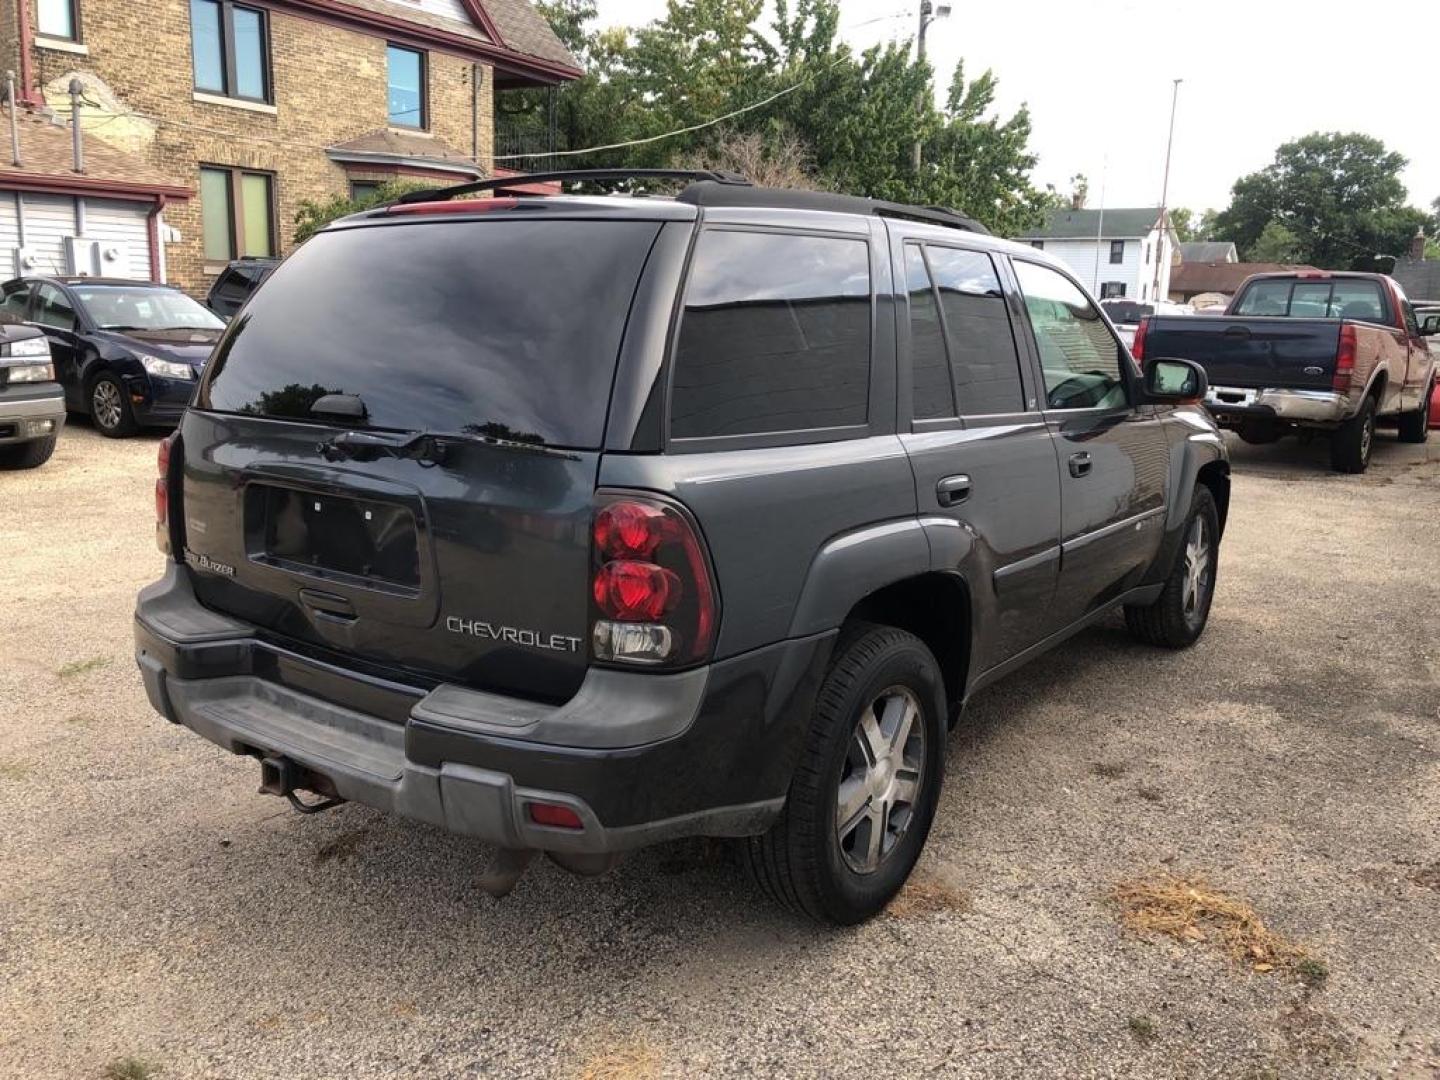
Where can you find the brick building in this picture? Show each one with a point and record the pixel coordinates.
(250, 108)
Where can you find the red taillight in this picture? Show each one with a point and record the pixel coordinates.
(162, 492)
(1345, 359)
(1137, 350)
(629, 530)
(652, 595)
(635, 591)
(454, 206)
(555, 816)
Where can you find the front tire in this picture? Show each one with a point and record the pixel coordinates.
(1350, 445)
(866, 786)
(110, 407)
(1415, 426)
(1177, 619)
(27, 455)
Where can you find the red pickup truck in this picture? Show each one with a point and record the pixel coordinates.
(1313, 351)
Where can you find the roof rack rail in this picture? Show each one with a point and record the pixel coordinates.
(713, 175)
(705, 193)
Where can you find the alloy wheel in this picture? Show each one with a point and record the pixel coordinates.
(105, 404)
(1198, 558)
(880, 780)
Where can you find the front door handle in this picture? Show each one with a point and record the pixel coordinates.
(1080, 464)
(952, 489)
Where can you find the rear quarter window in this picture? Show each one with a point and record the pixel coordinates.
(775, 335)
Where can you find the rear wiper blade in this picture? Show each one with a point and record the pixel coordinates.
(428, 447)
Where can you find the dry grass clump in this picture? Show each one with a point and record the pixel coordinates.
(1189, 910)
(926, 894)
(632, 1059)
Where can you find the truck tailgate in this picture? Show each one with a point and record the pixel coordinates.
(1252, 352)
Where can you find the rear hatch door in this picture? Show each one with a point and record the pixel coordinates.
(440, 531)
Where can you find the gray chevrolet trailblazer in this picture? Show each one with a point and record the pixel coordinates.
(577, 523)
(32, 405)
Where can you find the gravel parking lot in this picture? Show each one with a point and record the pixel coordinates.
(156, 908)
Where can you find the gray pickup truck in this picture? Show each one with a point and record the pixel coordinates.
(32, 406)
(1311, 351)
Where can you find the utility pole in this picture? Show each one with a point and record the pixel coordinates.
(1165, 194)
(928, 14)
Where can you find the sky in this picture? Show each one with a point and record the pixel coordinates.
(1098, 76)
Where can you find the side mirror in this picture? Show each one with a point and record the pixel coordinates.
(1175, 382)
(1430, 325)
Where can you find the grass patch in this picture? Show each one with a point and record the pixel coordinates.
(926, 894)
(633, 1059)
(1108, 770)
(1190, 911)
(13, 770)
(80, 667)
(1143, 1028)
(130, 1068)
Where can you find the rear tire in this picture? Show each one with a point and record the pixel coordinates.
(110, 407)
(1177, 619)
(877, 734)
(1415, 426)
(27, 455)
(1350, 446)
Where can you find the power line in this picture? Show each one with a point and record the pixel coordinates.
(99, 119)
(706, 123)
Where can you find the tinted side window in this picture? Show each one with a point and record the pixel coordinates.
(52, 308)
(1079, 356)
(977, 327)
(932, 393)
(775, 335)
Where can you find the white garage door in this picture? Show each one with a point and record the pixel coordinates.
(121, 228)
(49, 219)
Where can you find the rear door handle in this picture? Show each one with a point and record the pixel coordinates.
(952, 489)
(1080, 464)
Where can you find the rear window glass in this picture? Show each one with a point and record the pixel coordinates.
(982, 346)
(775, 335)
(1341, 298)
(932, 392)
(504, 328)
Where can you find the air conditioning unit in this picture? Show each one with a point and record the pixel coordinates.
(82, 257)
(22, 261)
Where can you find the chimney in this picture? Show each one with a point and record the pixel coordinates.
(1417, 245)
(1077, 200)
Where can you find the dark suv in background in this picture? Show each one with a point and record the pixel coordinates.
(579, 523)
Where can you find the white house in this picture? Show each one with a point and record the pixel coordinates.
(1112, 251)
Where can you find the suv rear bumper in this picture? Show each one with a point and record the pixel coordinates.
(712, 754)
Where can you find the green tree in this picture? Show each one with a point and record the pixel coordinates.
(314, 214)
(1276, 244)
(847, 120)
(1339, 194)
